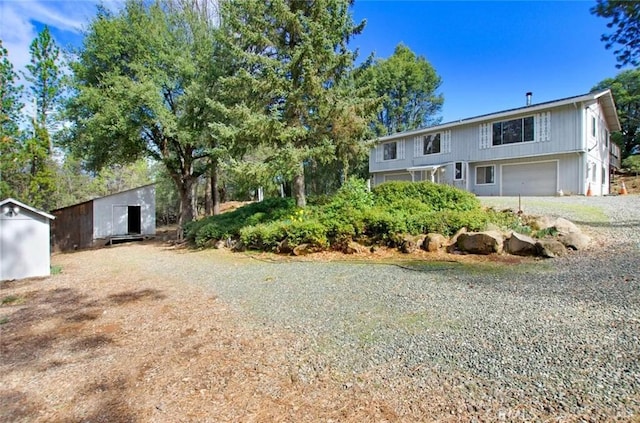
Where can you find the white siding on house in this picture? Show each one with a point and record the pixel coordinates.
(574, 132)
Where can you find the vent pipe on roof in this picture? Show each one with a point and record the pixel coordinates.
(529, 94)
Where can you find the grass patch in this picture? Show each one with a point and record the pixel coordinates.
(11, 300)
(56, 270)
(4, 320)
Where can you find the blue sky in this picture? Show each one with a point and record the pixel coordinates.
(488, 54)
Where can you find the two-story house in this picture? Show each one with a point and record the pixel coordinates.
(539, 149)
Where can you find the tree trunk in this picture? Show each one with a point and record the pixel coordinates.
(208, 197)
(298, 187)
(185, 189)
(214, 190)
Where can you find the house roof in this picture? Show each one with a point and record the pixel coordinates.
(8, 201)
(605, 98)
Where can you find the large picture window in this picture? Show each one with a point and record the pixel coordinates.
(513, 131)
(485, 175)
(390, 151)
(431, 144)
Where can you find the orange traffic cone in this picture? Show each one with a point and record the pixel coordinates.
(623, 189)
(589, 190)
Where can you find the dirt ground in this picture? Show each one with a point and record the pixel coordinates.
(104, 341)
(631, 182)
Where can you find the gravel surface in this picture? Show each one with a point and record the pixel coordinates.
(554, 339)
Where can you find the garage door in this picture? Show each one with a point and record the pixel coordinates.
(530, 179)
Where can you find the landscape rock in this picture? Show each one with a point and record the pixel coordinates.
(521, 245)
(454, 240)
(409, 243)
(550, 248)
(434, 242)
(284, 247)
(487, 242)
(575, 240)
(564, 226)
(304, 249)
(219, 244)
(353, 247)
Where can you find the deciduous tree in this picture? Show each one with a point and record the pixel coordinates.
(140, 91)
(408, 85)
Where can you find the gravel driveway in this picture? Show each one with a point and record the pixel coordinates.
(556, 338)
(142, 332)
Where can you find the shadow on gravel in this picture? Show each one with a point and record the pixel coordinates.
(45, 330)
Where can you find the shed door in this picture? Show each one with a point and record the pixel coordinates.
(530, 179)
(120, 220)
(134, 222)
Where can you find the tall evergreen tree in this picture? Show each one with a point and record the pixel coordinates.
(10, 107)
(625, 18)
(294, 55)
(44, 74)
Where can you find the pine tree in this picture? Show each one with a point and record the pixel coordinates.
(294, 55)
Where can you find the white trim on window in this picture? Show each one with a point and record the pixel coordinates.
(458, 172)
(493, 175)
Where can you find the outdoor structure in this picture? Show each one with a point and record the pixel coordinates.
(24, 241)
(126, 215)
(556, 147)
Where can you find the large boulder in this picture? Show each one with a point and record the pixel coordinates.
(551, 248)
(521, 245)
(434, 242)
(575, 240)
(481, 242)
(564, 226)
(453, 242)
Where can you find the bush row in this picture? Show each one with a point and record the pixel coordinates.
(354, 213)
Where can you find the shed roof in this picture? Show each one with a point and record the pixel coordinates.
(24, 206)
(105, 196)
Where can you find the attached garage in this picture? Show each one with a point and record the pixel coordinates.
(531, 179)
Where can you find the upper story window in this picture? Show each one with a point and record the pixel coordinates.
(593, 126)
(513, 131)
(431, 144)
(390, 151)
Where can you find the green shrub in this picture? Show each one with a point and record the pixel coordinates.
(306, 232)
(632, 163)
(229, 224)
(437, 197)
(267, 236)
(264, 236)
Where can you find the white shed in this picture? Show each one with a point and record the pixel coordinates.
(126, 215)
(24, 241)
